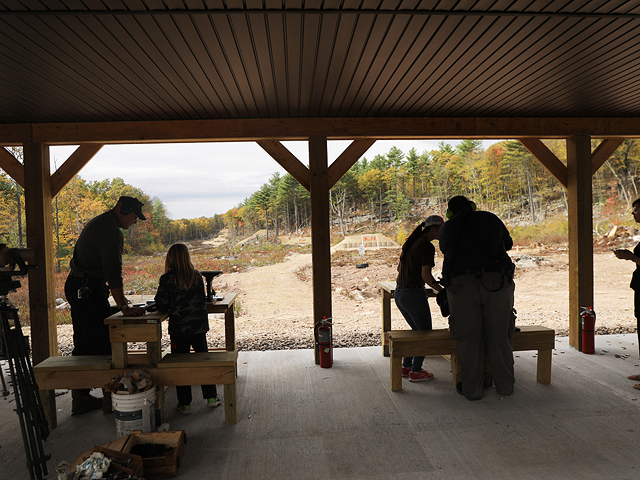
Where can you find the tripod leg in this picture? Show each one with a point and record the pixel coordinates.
(5, 392)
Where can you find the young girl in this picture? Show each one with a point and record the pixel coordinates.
(181, 293)
(414, 270)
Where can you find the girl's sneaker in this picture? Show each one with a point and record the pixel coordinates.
(184, 409)
(213, 402)
(406, 371)
(420, 376)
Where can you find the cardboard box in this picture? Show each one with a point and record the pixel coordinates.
(168, 464)
(134, 467)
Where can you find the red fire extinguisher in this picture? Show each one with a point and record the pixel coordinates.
(588, 317)
(324, 338)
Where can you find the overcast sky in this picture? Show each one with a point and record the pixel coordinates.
(202, 179)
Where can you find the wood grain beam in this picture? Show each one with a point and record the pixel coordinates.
(12, 166)
(320, 238)
(547, 158)
(580, 220)
(303, 128)
(72, 166)
(287, 160)
(347, 159)
(603, 151)
(42, 305)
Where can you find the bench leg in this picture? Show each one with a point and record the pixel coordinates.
(230, 407)
(544, 366)
(396, 373)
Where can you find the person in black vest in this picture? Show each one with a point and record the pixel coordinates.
(624, 254)
(478, 274)
(414, 270)
(96, 272)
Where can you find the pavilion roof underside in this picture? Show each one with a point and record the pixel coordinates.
(152, 60)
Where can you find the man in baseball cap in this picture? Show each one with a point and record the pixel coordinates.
(96, 272)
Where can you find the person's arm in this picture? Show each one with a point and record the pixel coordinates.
(624, 254)
(123, 303)
(427, 276)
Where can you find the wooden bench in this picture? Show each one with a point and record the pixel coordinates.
(387, 291)
(411, 343)
(90, 371)
(95, 371)
(204, 368)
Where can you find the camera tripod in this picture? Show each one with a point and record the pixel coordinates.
(33, 423)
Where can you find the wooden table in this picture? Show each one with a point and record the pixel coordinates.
(387, 289)
(226, 306)
(147, 328)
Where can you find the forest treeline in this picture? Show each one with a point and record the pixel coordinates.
(505, 178)
(79, 201)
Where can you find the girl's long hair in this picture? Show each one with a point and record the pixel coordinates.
(419, 230)
(178, 261)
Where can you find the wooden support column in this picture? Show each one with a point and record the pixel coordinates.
(320, 239)
(579, 192)
(44, 336)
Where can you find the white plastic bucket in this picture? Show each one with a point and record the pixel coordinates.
(134, 412)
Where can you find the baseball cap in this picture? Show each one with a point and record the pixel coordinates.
(433, 220)
(134, 205)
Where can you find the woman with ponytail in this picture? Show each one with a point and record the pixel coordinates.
(414, 270)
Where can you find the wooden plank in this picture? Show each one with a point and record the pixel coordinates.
(42, 306)
(544, 366)
(287, 160)
(12, 166)
(347, 159)
(320, 244)
(230, 403)
(71, 380)
(72, 166)
(189, 375)
(410, 343)
(199, 359)
(603, 151)
(74, 363)
(547, 158)
(133, 333)
(332, 128)
(221, 306)
(580, 222)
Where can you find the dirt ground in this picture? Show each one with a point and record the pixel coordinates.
(275, 302)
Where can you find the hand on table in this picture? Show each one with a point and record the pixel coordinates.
(131, 311)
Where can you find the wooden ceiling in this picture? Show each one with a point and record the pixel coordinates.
(151, 60)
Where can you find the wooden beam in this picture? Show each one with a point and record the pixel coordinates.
(320, 244)
(547, 158)
(287, 160)
(42, 306)
(72, 166)
(603, 151)
(12, 166)
(302, 128)
(347, 159)
(579, 192)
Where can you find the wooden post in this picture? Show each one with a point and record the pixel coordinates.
(580, 232)
(44, 335)
(320, 241)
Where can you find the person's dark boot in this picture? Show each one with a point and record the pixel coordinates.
(107, 406)
(83, 403)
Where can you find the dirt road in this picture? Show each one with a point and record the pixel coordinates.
(276, 301)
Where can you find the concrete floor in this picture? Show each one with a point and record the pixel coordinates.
(299, 421)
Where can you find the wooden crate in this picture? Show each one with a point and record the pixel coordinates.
(167, 465)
